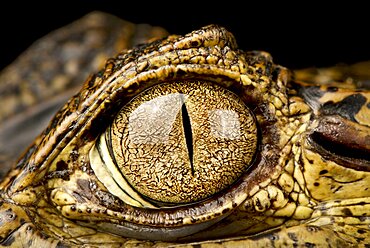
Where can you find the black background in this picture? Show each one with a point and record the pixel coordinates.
(308, 34)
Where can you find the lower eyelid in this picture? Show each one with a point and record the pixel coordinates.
(148, 232)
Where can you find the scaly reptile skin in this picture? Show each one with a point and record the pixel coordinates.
(188, 141)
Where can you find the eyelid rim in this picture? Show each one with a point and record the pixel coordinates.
(203, 211)
(148, 232)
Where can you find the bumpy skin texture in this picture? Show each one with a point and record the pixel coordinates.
(308, 184)
(40, 81)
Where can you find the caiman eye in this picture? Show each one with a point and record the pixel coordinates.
(176, 143)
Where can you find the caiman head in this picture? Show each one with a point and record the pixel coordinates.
(190, 141)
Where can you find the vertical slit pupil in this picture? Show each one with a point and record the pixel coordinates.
(188, 133)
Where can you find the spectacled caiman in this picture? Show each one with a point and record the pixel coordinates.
(179, 141)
